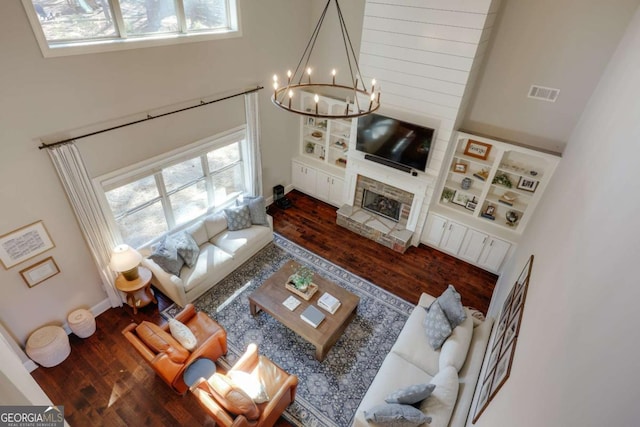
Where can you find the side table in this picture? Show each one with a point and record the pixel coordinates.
(139, 293)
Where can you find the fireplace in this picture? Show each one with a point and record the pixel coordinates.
(381, 205)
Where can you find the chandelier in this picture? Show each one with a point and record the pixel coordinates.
(359, 100)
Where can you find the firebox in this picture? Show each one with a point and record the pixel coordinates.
(381, 205)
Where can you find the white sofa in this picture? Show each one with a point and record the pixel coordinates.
(454, 368)
(221, 252)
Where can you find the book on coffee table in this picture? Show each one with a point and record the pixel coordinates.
(329, 303)
(291, 303)
(312, 316)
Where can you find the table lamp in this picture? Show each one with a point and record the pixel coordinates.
(125, 260)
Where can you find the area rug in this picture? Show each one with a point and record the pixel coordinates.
(329, 392)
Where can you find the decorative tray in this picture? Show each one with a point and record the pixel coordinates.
(312, 289)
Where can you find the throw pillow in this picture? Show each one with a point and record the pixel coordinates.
(231, 397)
(167, 258)
(412, 394)
(250, 385)
(436, 325)
(183, 334)
(451, 303)
(257, 209)
(187, 248)
(158, 340)
(238, 218)
(396, 415)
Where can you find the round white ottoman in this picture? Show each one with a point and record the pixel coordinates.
(82, 323)
(48, 346)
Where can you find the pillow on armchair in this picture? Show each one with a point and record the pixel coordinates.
(160, 341)
(231, 397)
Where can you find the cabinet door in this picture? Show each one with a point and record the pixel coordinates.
(297, 175)
(304, 178)
(493, 254)
(452, 237)
(323, 184)
(472, 245)
(310, 184)
(434, 230)
(336, 192)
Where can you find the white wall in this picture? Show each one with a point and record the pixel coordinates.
(564, 44)
(43, 97)
(576, 361)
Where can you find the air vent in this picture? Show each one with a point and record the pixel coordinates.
(542, 93)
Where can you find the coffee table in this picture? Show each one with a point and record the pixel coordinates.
(272, 293)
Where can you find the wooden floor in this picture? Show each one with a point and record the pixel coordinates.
(104, 382)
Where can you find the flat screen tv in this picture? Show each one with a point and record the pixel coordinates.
(400, 142)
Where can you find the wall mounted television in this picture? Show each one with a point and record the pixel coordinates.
(400, 142)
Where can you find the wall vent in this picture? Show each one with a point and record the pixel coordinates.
(542, 93)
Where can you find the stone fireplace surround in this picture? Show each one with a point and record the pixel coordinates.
(408, 190)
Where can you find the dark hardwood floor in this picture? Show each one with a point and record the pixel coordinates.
(104, 382)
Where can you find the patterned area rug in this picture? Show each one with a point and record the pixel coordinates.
(329, 392)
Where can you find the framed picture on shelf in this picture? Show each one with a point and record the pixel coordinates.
(39, 272)
(23, 244)
(311, 121)
(527, 184)
(461, 198)
(477, 149)
(460, 167)
(471, 204)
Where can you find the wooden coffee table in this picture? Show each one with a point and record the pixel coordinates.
(272, 293)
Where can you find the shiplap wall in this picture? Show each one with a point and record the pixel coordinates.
(426, 54)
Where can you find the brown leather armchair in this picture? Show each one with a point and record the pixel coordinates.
(166, 356)
(279, 385)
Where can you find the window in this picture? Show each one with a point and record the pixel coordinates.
(65, 27)
(177, 189)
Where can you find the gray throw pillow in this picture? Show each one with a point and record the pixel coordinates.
(412, 394)
(238, 218)
(451, 303)
(436, 326)
(166, 256)
(187, 248)
(394, 414)
(257, 209)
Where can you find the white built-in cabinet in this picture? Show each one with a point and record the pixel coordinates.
(468, 244)
(318, 183)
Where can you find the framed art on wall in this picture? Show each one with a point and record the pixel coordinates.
(39, 272)
(23, 244)
(503, 346)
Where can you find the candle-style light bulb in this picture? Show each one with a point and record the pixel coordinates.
(333, 74)
(373, 97)
(288, 76)
(290, 96)
(275, 90)
(275, 77)
(373, 85)
(317, 99)
(309, 74)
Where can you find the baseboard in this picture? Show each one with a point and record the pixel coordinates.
(96, 310)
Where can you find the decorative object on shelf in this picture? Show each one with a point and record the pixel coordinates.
(508, 198)
(460, 167)
(365, 100)
(466, 183)
(512, 218)
(311, 121)
(482, 174)
(489, 212)
(316, 134)
(341, 162)
(126, 260)
(23, 244)
(309, 148)
(477, 149)
(447, 195)
(533, 173)
(461, 198)
(527, 184)
(502, 179)
(39, 272)
(471, 204)
(504, 342)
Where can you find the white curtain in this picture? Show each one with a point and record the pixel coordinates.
(254, 160)
(95, 227)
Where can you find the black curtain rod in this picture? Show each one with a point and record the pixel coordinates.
(149, 117)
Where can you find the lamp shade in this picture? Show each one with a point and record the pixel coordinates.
(125, 260)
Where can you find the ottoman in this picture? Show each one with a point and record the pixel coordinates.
(82, 323)
(48, 346)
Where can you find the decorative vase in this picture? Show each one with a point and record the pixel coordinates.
(466, 183)
(512, 218)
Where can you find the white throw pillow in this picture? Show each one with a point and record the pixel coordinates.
(441, 402)
(250, 385)
(183, 334)
(454, 350)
